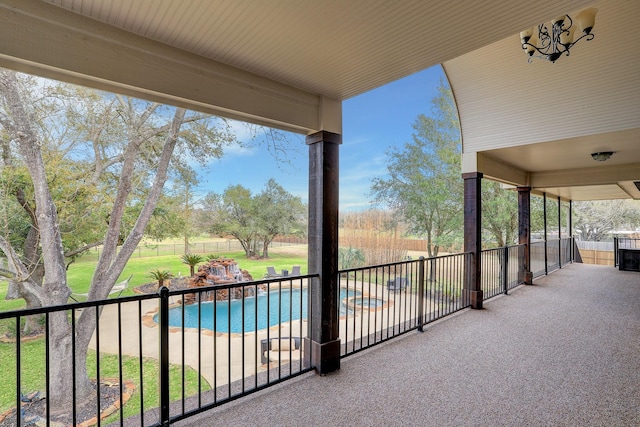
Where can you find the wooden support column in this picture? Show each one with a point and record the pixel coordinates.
(559, 232)
(324, 341)
(473, 237)
(546, 238)
(571, 241)
(524, 235)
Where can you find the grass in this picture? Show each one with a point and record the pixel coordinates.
(80, 272)
(33, 375)
(79, 277)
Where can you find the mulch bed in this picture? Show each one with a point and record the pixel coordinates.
(35, 409)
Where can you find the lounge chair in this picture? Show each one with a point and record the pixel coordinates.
(295, 271)
(271, 272)
(281, 349)
(117, 288)
(397, 284)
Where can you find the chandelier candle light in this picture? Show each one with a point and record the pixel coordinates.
(550, 45)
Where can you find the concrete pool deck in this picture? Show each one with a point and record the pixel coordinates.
(228, 348)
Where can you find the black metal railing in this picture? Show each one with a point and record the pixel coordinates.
(501, 270)
(182, 352)
(539, 253)
(552, 254)
(381, 302)
(212, 345)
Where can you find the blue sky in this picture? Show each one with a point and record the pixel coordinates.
(372, 122)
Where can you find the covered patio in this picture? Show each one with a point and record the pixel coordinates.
(561, 352)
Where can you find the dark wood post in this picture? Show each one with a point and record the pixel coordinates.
(324, 341)
(473, 237)
(546, 238)
(559, 232)
(524, 235)
(571, 241)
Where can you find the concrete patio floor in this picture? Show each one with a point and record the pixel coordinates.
(564, 352)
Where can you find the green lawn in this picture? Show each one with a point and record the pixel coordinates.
(80, 272)
(32, 376)
(79, 277)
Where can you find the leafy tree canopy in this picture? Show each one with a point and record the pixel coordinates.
(596, 220)
(423, 181)
(255, 220)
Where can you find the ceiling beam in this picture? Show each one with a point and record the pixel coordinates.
(45, 40)
(586, 176)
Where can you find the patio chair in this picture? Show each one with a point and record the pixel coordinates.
(295, 271)
(397, 284)
(281, 349)
(271, 272)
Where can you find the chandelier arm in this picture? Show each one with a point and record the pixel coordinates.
(587, 37)
(550, 44)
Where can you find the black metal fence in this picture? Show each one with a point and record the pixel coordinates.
(550, 255)
(162, 249)
(190, 350)
(501, 270)
(381, 302)
(187, 350)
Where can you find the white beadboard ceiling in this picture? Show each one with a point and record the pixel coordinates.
(336, 48)
(290, 63)
(532, 120)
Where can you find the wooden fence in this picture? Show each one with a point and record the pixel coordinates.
(592, 256)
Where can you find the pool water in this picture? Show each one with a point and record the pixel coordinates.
(256, 313)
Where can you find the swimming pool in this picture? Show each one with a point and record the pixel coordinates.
(259, 312)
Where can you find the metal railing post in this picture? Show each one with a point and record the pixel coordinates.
(163, 329)
(615, 251)
(505, 270)
(421, 276)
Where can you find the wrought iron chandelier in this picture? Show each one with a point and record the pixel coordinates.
(551, 44)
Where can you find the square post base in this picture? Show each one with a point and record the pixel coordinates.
(475, 298)
(526, 277)
(325, 357)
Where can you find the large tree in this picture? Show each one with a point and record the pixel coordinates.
(499, 214)
(279, 213)
(596, 220)
(255, 220)
(114, 159)
(423, 181)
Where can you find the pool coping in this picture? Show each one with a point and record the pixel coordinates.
(148, 321)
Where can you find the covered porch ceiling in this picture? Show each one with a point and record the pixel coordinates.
(290, 64)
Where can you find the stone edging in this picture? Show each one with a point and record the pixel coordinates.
(11, 340)
(127, 392)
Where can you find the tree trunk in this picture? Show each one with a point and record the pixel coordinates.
(54, 290)
(33, 324)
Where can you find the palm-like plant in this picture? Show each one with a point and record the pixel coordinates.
(350, 258)
(192, 260)
(160, 276)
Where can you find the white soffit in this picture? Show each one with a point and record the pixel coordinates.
(273, 62)
(588, 192)
(504, 101)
